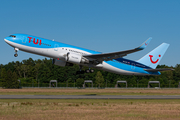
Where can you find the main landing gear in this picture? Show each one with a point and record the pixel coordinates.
(16, 50)
(89, 71)
(84, 71)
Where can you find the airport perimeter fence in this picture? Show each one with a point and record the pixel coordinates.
(89, 85)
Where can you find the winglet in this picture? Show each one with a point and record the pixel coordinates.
(141, 47)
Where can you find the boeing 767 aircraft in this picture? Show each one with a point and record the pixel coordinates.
(67, 55)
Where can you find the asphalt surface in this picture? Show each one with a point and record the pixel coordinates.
(89, 96)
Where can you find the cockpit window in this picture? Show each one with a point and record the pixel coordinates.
(12, 36)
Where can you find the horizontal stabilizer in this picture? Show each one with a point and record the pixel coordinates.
(159, 69)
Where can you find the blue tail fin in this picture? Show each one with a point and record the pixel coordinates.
(153, 58)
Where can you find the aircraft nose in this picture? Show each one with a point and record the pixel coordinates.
(6, 39)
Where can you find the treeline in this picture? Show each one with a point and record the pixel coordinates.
(39, 73)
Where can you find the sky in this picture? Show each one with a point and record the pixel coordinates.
(100, 25)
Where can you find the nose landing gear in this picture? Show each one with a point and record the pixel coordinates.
(15, 55)
(16, 50)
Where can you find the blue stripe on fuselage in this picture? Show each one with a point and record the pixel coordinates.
(134, 63)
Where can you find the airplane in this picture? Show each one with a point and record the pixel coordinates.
(67, 55)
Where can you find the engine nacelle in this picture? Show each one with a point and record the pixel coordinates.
(61, 63)
(75, 58)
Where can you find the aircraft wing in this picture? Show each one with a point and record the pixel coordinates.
(114, 55)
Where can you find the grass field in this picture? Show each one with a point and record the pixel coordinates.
(46, 91)
(83, 109)
(89, 109)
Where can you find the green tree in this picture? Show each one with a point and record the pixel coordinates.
(10, 80)
(4, 77)
(177, 73)
(15, 83)
(79, 82)
(68, 81)
(99, 79)
(25, 69)
(30, 71)
(18, 68)
(1, 67)
(36, 70)
(169, 75)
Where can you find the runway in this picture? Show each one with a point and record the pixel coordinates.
(89, 96)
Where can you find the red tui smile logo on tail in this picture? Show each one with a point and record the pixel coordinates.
(154, 62)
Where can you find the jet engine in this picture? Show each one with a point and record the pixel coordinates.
(75, 58)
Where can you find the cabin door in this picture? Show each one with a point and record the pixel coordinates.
(24, 39)
(56, 47)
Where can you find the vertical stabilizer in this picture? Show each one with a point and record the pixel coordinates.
(153, 58)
